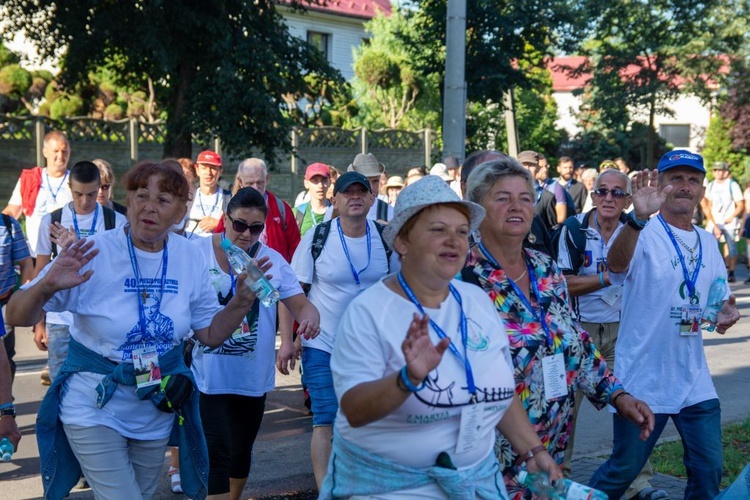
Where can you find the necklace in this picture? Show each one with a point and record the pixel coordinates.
(522, 275)
(145, 293)
(686, 246)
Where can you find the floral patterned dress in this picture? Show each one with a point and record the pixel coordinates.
(585, 368)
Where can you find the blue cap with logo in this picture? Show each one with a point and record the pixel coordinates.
(681, 158)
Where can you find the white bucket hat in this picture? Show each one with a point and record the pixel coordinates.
(430, 190)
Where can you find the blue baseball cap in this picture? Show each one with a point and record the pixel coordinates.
(347, 179)
(681, 158)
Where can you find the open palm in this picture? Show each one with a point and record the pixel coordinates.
(66, 269)
(647, 197)
(422, 356)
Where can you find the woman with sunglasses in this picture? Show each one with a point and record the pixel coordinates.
(107, 187)
(234, 378)
(553, 356)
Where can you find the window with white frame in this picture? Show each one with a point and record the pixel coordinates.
(321, 41)
(676, 134)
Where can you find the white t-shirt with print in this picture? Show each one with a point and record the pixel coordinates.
(723, 197)
(333, 285)
(245, 364)
(44, 243)
(105, 320)
(204, 205)
(654, 362)
(53, 194)
(368, 347)
(592, 307)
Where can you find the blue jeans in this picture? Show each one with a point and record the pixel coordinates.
(317, 376)
(700, 429)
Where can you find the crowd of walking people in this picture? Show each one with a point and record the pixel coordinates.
(448, 321)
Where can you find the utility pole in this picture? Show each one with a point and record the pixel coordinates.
(511, 127)
(454, 104)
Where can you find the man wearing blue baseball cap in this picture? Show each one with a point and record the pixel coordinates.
(667, 267)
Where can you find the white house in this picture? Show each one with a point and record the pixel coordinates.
(686, 129)
(336, 28)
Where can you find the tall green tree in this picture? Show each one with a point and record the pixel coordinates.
(218, 67)
(645, 53)
(719, 146)
(390, 90)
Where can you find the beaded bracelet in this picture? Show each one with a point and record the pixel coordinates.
(614, 399)
(407, 383)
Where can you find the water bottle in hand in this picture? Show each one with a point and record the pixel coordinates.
(715, 302)
(563, 489)
(6, 449)
(240, 262)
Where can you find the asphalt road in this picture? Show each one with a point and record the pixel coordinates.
(281, 463)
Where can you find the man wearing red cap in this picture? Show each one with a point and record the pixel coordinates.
(312, 212)
(210, 200)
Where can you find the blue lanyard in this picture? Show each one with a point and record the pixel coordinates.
(233, 280)
(92, 231)
(441, 333)
(601, 239)
(540, 315)
(49, 185)
(690, 281)
(136, 271)
(348, 257)
(216, 202)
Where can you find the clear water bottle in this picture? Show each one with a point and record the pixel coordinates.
(240, 262)
(6, 449)
(715, 302)
(563, 489)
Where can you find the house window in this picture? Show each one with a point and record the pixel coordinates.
(320, 41)
(677, 135)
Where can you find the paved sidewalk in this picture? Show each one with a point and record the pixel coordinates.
(584, 468)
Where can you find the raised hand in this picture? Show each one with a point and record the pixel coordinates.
(66, 268)
(422, 356)
(62, 236)
(728, 316)
(647, 197)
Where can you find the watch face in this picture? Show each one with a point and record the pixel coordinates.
(8, 412)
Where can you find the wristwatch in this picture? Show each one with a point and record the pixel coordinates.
(635, 222)
(8, 412)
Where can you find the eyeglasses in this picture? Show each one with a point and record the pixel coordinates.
(105, 186)
(616, 193)
(255, 229)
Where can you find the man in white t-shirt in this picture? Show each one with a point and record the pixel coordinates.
(40, 191)
(85, 217)
(667, 266)
(725, 207)
(352, 258)
(209, 200)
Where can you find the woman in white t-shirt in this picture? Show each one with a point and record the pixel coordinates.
(422, 371)
(144, 292)
(234, 378)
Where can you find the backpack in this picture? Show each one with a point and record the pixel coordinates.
(321, 235)
(109, 222)
(301, 211)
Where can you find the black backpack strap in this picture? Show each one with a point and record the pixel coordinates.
(382, 210)
(8, 224)
(319, 239)
(109, 218)
(388, 250)
(55, 216)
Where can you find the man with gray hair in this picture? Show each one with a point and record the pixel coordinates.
(281, 232)
(582, 248)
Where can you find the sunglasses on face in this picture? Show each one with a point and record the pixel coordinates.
(255, 228)
(616, 193)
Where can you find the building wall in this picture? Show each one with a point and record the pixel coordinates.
(346, 34)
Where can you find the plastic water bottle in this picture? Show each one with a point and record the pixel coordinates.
(715, 302)
(564, 489)
(6, 449)
(240, 262)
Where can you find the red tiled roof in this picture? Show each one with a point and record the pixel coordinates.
(563, 81)
(366, 9)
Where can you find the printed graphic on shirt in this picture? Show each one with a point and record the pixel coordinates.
(159, 328)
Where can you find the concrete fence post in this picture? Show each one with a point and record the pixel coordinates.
(39, 140)
(133, 137)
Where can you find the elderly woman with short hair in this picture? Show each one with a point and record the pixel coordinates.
(552, 356)
(102, 415)
(417, 415)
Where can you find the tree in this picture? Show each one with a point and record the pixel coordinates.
(643, 54)
(218, 67)
(719, 147)
(390, 90)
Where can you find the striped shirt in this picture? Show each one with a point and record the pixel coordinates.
(13, 249)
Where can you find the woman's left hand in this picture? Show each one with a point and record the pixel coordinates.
(422, 356)
(544, 462)
(61, 236)
(637, 412)
(309, 329)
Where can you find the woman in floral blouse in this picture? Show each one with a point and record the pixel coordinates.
(552, 355)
